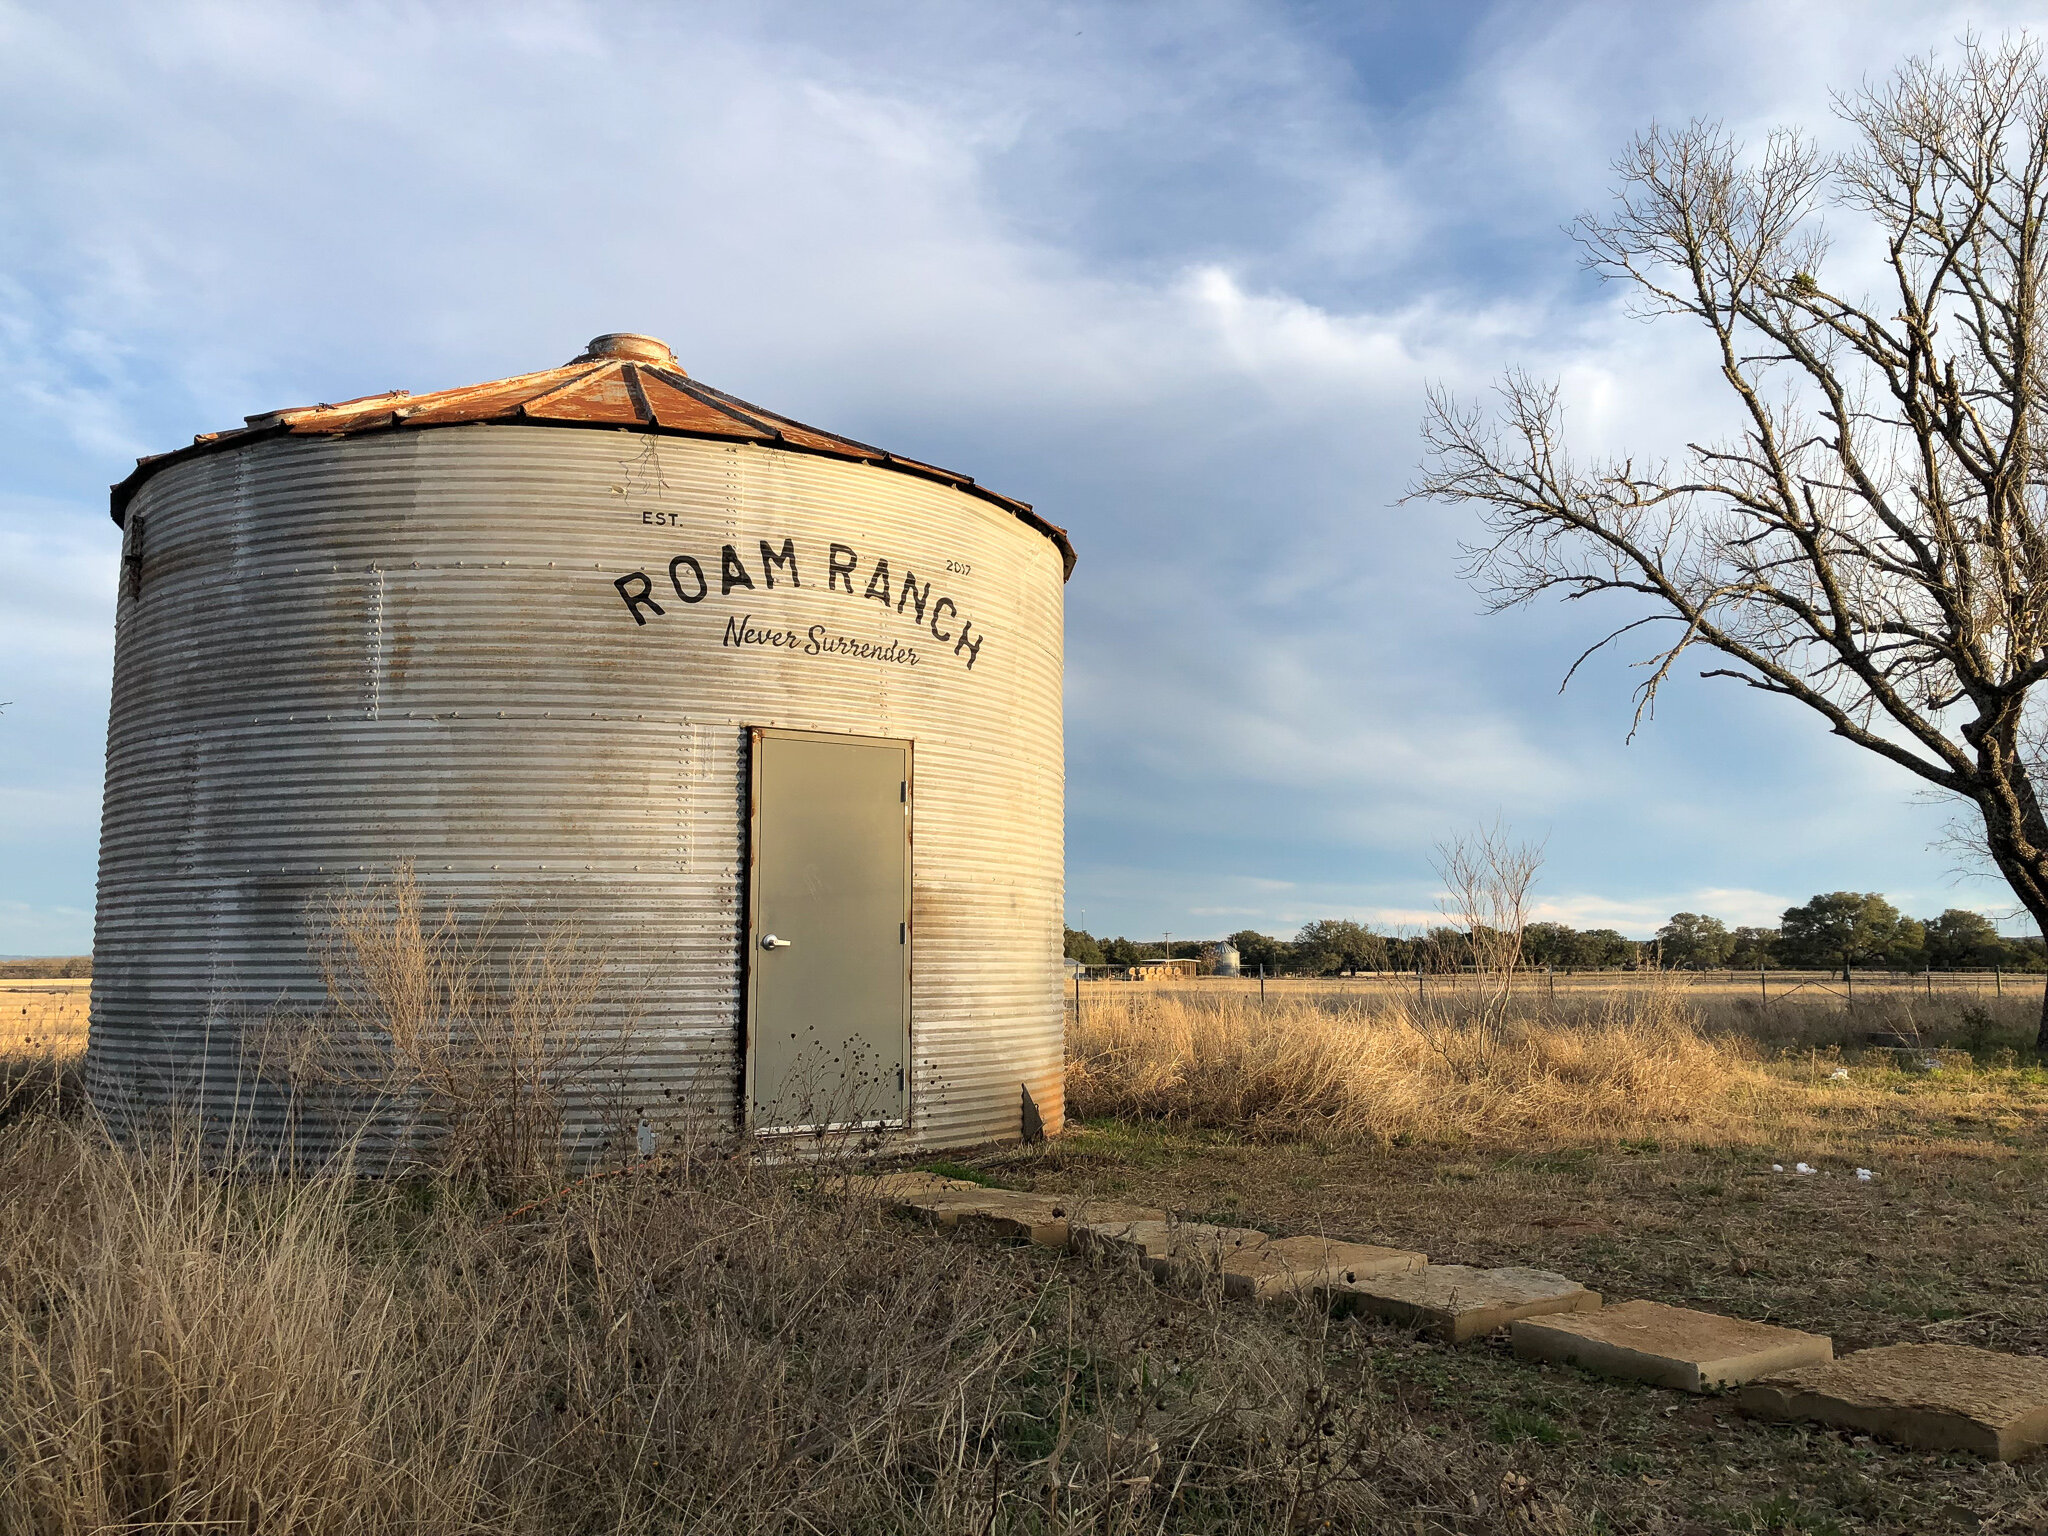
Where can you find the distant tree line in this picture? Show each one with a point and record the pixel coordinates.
(1847, 928)
(47, 968)
(1857, 928)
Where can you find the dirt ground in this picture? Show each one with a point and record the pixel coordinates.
(1944, 1243)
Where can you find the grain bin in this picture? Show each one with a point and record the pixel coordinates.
(771, 715)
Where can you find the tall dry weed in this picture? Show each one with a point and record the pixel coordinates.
(455, 1043)
(187, 1353)
(1389, 1072)
(39, 1078)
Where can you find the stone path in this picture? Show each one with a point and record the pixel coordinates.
(1929, 1396)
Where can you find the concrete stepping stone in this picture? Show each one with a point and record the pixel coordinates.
(1284, 1266)
(1044, 1219)
(1111, 1214)
(1455, 1302)
(1668, 1346)
(1007, 1212)
(892, 1187)
(1933, 1397)
(1163, 1246)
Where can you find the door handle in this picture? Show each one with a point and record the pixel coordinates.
(769, 941)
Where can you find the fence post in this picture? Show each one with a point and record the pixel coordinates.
(1848, 981)
(1997, 982)
(1420, 998)
(1762, 985)
(1930, 983)
(1262, 981)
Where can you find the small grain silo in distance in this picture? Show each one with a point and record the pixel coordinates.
(772, 715)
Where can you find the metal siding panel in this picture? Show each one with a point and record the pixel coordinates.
(350, 652)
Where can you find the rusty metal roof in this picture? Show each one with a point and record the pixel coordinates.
(620, 380)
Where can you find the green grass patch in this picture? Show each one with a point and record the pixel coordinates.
(1511, 1426)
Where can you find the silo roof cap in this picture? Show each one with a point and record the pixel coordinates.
(632, 346)
(623, 379)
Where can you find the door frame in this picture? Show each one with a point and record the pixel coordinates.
(750, 926)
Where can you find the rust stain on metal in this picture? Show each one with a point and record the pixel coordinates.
(686, 413)
(621, 380)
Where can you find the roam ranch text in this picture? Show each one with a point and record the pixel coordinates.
(691, 581)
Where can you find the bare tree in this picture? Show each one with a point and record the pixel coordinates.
(1487, 877)
(1871, 539)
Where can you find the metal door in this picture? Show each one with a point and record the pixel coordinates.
(828, 932)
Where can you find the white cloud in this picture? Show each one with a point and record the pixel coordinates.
(1180, 280)
(57, 576)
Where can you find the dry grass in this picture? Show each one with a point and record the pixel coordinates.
(43, 1015)
(1304, 1067)
(42, 1046)
(187, 1353)
(1653, 1057)
(1709, 992)
(704, 1346)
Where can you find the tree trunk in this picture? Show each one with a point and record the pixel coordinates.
(2010, 847)
(2029, 894)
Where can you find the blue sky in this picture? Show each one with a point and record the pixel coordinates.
(1176, 273)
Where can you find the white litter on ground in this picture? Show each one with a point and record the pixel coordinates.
(1803, 1168)
(1864, 1175)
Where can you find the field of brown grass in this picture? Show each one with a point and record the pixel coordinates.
(708, 1343)
(1624, 1058)
(1363, 1067)
(42, 1041)
(43, 1014)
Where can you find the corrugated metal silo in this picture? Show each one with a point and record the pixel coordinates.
(599, 643)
